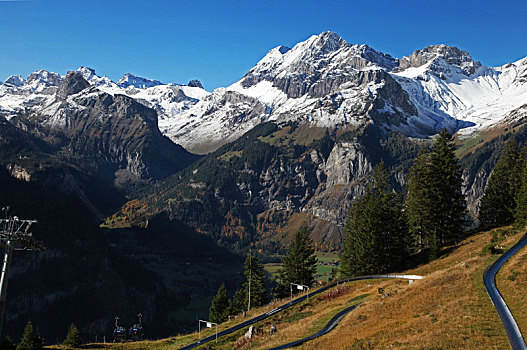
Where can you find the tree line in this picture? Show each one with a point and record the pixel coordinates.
(298, 266)
(384, 227)
(31, 339)
(505, 198)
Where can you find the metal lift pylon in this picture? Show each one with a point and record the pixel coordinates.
(13, 231)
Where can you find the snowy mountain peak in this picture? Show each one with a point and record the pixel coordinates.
(139, 82)
(195, 83)
(87, 73)
(282, 49)
(43, 77)
(101, 82)
(73, 83)
(14, 81)
(326, 42)
(316, 67)
(442, 60)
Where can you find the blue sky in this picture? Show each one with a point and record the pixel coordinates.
(220, 40)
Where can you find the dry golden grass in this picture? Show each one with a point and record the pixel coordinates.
(511, 281)
(449, 309)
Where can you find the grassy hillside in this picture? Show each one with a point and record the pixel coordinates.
(449, 309)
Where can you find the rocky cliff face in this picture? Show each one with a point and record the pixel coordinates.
(316, 67)
(440, 57)
(273, 176)
(327, 82)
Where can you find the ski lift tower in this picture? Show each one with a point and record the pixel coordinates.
(13, 231)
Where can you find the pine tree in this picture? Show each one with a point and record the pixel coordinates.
(254, 272)
(417, 201)
(72, 338)
(521, 198)
(238, 301)
(221, 306)
(435, 205)
(448, 202)
(31, 339)
(376, 231)
(300, 263)
(498, 204)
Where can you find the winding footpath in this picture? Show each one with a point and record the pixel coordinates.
(489, 280)
(296, 301)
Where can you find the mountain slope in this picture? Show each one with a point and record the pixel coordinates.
(445, 80)
(448, 309)
(79, 276)
(327, 82)
(81, 137)
(259, 189)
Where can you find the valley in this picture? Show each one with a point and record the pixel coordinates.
(156, 192)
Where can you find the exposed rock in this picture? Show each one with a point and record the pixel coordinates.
(72, 84)
(345, 163)
(441, 53)
(195, 83)
(18, 172)
(130, 80)
(14, 81)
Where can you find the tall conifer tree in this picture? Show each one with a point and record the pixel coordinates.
(300, 264)
(417, 201)
(498, 204)
(31, 339)
(255, 273)
(221, 306)
(376, 230)
(435, 205)
(448, 201)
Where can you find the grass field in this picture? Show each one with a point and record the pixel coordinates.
(323, 271)
(448, 309)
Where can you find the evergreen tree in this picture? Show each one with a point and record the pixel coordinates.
(300, 263)
(72, 338)
(435, 205)
(31, 339)
(521, 198)
(238, 301)
(221, 306)
(417, 201)
(498, 204)
(376, 231)
(448, 202)
(254, 272)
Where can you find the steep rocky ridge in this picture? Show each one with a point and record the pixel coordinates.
(324, 82)
(251, 190)
(83, 139)
(440, 56)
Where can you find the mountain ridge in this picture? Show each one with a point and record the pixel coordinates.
(322, 81)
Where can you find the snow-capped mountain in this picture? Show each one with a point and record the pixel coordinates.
(37, 92)
(141, 83)
(445, 80)
(323, 81)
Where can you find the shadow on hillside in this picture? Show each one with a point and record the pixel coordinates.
(423, 257)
